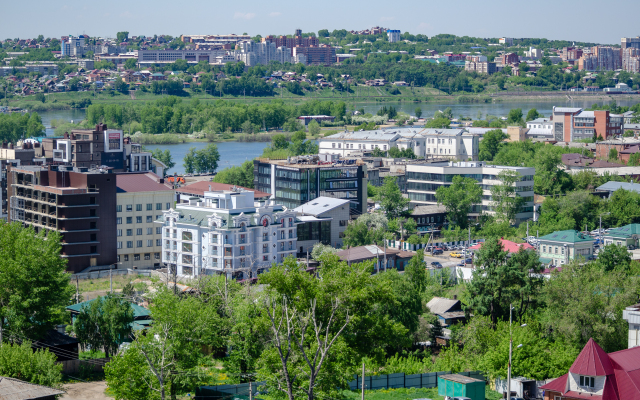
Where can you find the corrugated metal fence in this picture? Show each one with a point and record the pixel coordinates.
(375, 382)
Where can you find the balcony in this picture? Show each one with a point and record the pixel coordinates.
(243, 240)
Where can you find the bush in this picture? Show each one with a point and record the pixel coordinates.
(21, 362)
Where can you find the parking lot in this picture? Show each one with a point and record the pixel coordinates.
(445, 259)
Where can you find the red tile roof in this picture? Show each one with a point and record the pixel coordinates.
(592, 361)
(507, 245)
(140, 182)
(621, 369)
(198, 188)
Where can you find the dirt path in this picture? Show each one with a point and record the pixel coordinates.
(85, 390)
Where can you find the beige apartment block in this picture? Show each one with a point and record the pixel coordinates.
(140, 200)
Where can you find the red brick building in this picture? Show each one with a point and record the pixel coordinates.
(510, 58)
(571, 124)
(292, 42)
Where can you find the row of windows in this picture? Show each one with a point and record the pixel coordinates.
(139, 231)
(136, 257)
(138, 243)
(149, 219)
(129, 207)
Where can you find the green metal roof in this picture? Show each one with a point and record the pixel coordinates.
(545, 260)
(625, 231)
(137, 310)
(569, 236)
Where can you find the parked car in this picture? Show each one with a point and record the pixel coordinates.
(591, 257)
(468, 261)
(455, 254)
(436, 264)
(437, 250)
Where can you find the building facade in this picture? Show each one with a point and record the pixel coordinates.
(455, 144)
(393, 35)
(424, 179)
(295, 182)
(140, 201)
(570, 124)
(560, 247)
(78, 203)
(322, 220)
(169, 56)
(227, 232)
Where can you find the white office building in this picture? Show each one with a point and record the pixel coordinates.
(252, 53)
(169, 56)
(540, 128)
(455, 144)
(424, 179)
(227, 232)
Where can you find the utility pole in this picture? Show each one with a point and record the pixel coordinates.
(77, 291)
(250, 390)
(510, 350)
(363, 380)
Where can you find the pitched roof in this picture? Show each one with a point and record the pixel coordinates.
(138, 311)
(15, 389)
(557, 385)
(148, 182)
(507, 245)
(592, 360)
(612, 186)
(441, 305)
(360, 253)
(568, 236)
(198, 188)
(624, 231)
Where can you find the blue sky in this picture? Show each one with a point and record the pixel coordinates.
(587, 20)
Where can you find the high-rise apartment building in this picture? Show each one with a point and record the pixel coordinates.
(393, 35)
(601, 58)
(294, 182)
(78, 203)
(630, 42)
(140, 201)
(631, 59)
(227, 232)
(323, 55)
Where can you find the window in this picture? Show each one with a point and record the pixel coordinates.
(136, 257)
(168, 206)
(92, 212)
(118, 258)
(544, 249)
(587, 381)
(129, 244)
(138, 207)
(119, 221)
(149, 206)
(159, 230)
(158, 206)
(118, 232)
(147, 256)
(129, 207)
(186, 235)
(129, 220)
(118, 245)
(119, 208)
(555, 250)
(158, 242)
(149, 219)
(138, 220)
(138, 243)
(156, 256)
(129, 232)
(149, 231)
(126, 257)
(149, 242)
(139, 231)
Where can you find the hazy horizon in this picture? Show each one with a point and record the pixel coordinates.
(545, 19)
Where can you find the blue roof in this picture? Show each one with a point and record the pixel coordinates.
(613, 186)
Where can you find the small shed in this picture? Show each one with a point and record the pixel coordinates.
(454, 385)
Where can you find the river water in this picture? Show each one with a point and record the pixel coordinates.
(235, 153)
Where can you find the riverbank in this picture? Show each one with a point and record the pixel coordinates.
(74, 100)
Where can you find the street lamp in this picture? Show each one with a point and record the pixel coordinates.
(510, 351)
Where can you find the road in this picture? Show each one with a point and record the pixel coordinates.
(85, 390)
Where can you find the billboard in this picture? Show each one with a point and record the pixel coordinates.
(113, 160)
(113, 141)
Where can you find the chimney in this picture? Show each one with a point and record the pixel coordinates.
(455, 297)
(209, 187)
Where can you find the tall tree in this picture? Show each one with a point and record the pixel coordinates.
(105, 323)
(458, 199)
(490, 144)
(390, 198)
(506, 201)
(164, 157)
(502, 280)
(34, 288)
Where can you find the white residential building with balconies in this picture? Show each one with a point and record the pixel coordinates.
(227, 232)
